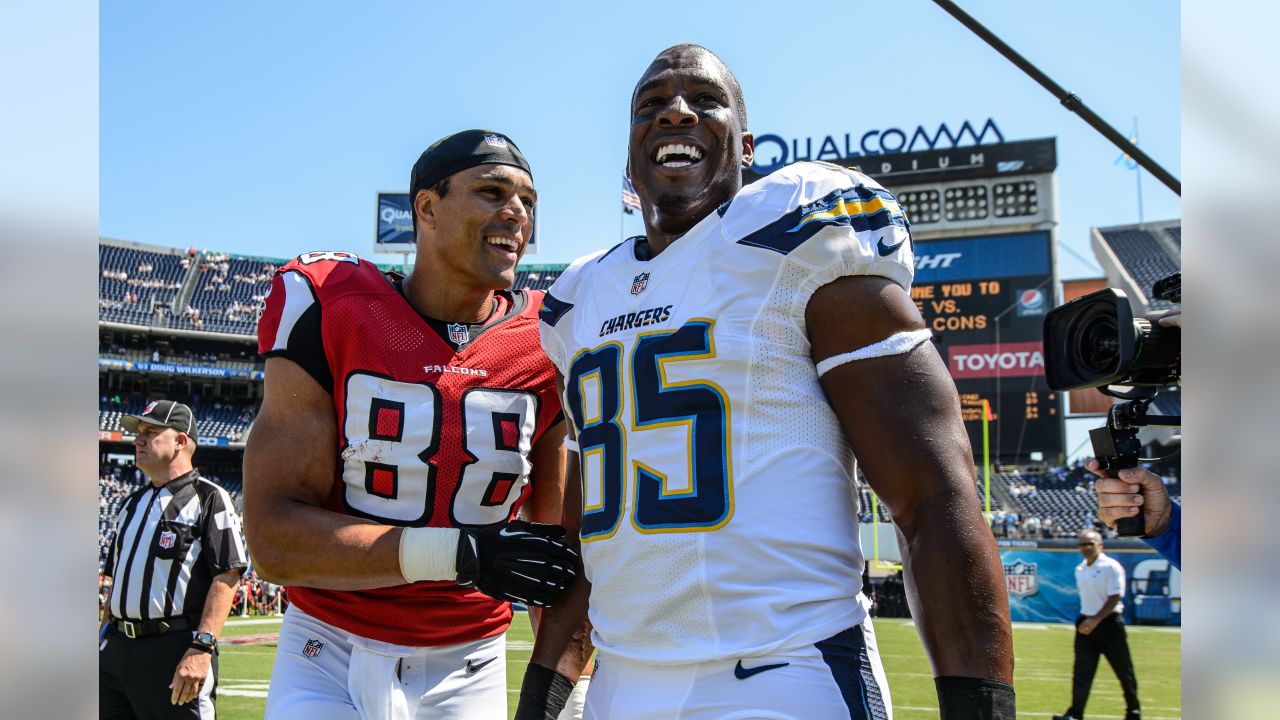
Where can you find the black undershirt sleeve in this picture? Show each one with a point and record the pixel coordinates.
(306, 348)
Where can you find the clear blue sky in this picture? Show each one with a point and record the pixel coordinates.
(267, 128)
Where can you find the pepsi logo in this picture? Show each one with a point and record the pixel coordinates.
(1032, 299)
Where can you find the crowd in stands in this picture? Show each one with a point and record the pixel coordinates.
(217, 419)
(256, 596)
(1009, 524)
(137, 286)
(116, 482)
(243, 359)
(228, 292)
(1041, 504)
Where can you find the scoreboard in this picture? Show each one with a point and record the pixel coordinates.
(982, 227)
(985, 297)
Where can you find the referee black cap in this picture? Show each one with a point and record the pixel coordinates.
(462, 150)
(166, 413)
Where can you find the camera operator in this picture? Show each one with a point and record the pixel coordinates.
(1118, 498)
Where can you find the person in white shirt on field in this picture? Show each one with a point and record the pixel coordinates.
(1100, 629)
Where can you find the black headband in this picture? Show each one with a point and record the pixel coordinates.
(460, 151)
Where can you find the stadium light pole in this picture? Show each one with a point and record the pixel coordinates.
(1069, 100)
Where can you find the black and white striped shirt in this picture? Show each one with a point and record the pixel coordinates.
(170, 543)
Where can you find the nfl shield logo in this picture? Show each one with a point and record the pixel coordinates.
(1022, 579)
(150, 406)
(495, 140)
(167, 539)
(458, 334)
(313, 648)
(639, 283)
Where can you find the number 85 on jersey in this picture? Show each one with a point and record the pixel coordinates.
(628, 466)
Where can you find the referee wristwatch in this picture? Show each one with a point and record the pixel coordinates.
(205, 641)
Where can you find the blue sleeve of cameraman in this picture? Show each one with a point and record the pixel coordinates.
(1169, 542)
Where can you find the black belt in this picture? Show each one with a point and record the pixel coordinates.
(141, 628)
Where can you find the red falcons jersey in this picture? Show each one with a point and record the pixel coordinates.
(435, 427)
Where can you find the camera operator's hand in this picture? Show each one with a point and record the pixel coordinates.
(1173, 318)
(1118, 498)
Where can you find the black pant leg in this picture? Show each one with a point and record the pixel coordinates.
(1086, 664)
(113, 701)
(1115, 647)
(156, 657)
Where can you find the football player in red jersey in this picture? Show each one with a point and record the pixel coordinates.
(406, 422)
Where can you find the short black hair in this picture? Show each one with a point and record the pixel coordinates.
(441, 189)
(734, 85)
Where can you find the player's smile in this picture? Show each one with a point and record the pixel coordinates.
(678, 154)
(507, 244)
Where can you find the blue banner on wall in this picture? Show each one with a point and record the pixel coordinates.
(395, 223)
(395, 226)
(979, 258)
(1042, 586)
(175, 369)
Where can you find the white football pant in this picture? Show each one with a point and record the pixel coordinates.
(324, 673)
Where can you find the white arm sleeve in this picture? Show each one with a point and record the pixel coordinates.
(895, 344)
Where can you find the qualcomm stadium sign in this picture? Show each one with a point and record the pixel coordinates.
(773, 151)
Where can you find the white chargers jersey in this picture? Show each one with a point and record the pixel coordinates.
(719, 513)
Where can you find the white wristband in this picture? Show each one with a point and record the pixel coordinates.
(428, 554)
(571, 445)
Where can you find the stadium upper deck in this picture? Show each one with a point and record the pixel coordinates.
(1134, 257)
(198, 291)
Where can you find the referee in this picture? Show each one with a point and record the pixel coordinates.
(175, 564)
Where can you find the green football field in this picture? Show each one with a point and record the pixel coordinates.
(1043, 675)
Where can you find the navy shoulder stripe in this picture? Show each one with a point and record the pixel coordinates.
(553, 309)
(861, 208)
(615, 247)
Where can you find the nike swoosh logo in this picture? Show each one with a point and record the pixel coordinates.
(886, 250)
(474, 667)
(743, 673)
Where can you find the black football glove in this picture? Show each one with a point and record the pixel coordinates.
(517, 561)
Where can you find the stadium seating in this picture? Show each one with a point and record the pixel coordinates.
(151, 355)
(1142, 256)
(882, 511)
(229, 294)
(132, 282)
(536, 279)
(217, 420)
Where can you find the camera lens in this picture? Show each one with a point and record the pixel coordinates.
(1099, 344)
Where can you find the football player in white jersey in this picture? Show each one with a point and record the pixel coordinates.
(720, 374)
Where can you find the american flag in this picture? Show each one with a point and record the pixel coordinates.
(630, 200)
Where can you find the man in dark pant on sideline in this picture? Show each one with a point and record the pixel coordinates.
(175, 564)
(1100, 629)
